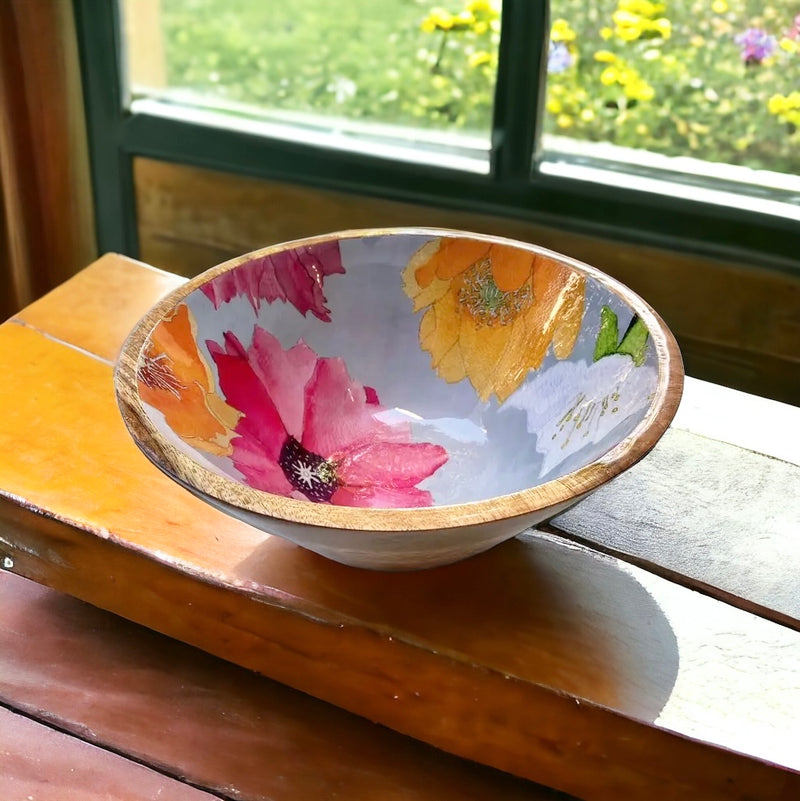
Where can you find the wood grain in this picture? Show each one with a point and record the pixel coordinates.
(37, 762)
(44, 172)
(199, 719)
(727, 517)
(545, 659)
(738, 325)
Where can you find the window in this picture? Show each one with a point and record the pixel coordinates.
(702, 90)
(519, 117)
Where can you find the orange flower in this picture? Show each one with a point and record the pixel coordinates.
(175, 379)
(493, 311)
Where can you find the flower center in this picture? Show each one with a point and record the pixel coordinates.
(308, 472)
(486, 303)
(155, 371)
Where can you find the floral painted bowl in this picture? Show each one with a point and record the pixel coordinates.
(398, 399)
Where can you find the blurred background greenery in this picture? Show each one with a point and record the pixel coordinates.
(717, 80)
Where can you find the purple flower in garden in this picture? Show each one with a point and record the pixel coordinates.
(756, 45)
(558, 58)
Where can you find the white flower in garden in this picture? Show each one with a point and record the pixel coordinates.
(574, 404)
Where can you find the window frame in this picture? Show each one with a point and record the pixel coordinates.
(514, 186)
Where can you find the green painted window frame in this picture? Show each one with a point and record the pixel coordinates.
(514, 186)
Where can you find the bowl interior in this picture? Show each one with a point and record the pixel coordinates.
(399, 369)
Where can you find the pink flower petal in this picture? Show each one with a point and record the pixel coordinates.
(260, 472)
(284, 374)
(395, 465)
(382, 497)
(296, 276)
(244, 391)
(338, 415)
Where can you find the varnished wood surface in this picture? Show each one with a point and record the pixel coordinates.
(547, 660)
(149, 715)
(45, 192)
(40, 764)
(736, 325)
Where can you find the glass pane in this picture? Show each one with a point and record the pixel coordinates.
(357, 63)
(714, 80)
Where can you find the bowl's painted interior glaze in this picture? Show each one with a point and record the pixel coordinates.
(399, 370)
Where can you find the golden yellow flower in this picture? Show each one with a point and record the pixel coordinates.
(492, 311)
(174, 378)
(562, 31)
(605, 56)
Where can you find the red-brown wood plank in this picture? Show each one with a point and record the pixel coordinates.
(38, 763)
(221, 727)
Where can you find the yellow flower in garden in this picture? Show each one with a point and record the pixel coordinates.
(174, 378)
(789, 45)
(644, 8)
(663, 27)
(609, 76)
(554, 105)
(488, 7)
(564, 121)
(438, 19)
(587, 115)
(605, 56)
(642, 129)
(639, 89)
(492, 311)
(561, 31)
(606, 33)
(479, 58)
(719, 6)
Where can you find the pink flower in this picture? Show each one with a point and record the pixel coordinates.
(309, 431)
(295, 276)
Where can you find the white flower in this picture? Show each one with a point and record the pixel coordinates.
(574, 404)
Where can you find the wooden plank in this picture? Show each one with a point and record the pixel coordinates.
(191, 219)
(95, 310)
(217, 726)
(712, 515)
(573, 671)
(546, 660)
(39, 763)
(755, 424)
(697, 555)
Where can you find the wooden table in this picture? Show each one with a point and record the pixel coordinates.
(646, 644)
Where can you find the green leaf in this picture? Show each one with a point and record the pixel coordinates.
(634, 343)
(608, 334)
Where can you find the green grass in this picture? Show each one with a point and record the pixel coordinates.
(370, 60)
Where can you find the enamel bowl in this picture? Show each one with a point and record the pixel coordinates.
(398, 399)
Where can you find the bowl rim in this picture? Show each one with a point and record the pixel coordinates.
(554, 493)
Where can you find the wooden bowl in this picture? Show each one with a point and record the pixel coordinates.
(402, 398)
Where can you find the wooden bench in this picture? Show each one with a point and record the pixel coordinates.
(645, 644)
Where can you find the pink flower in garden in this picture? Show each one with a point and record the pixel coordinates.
(756, 45)
(295, 276)
(309, 431)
